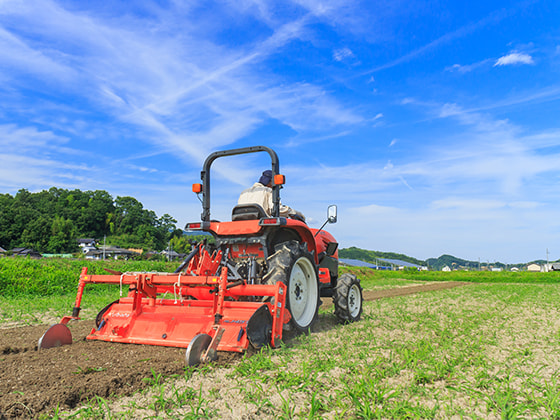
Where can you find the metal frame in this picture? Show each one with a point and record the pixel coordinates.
(205, 176)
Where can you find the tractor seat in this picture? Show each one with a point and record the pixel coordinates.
(247, 212)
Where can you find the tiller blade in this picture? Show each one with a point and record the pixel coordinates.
(57, 335)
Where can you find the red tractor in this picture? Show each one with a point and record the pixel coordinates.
(262, 274)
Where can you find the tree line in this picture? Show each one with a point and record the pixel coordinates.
(52, 221)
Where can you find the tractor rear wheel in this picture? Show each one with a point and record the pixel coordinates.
(347, 298)
(293, 265)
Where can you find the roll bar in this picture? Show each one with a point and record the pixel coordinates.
(205, 177)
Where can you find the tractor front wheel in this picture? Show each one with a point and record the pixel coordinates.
(293, 265)
(347, 298)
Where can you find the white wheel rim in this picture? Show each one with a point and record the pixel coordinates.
(302, 292)
(354, 301)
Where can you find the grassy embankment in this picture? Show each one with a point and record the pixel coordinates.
(36, 291)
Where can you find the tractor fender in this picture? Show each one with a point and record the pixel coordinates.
(306, 235)
(316, 240)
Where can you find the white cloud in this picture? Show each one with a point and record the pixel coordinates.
(457, 67)
(484, 158)
(24, 140)
(514, 58)
(467, 204)
(342, 54)
(467, 68)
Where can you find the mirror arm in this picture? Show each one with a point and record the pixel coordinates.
(321, 228)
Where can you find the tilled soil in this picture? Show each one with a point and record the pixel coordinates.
(410, 290)
(34, 383)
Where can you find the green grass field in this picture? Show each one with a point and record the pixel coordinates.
(490, 349)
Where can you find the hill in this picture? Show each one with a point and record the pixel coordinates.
(433, 263)
(451, 262)
(371, 256)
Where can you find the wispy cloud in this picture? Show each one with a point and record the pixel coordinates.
(467, 68)
(514, 58)
(485, 157)
(447, 38)
(343, 54)
(192, 93)
(27, 139)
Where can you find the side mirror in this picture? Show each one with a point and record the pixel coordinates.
(331, 217)
(331, 213)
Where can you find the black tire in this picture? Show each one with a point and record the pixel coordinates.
(347, 298)
(294, 265)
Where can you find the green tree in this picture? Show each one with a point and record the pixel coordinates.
(129, 214)
(93, 220)
(63, 236)
(51, 220)
(7, 231)
(181, 244)
(36, 234)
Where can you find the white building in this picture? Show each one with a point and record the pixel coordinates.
(535, 268)
(87, 245)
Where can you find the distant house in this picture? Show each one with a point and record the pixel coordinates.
(555, 267)
(93, 254)
(25, 252)
(86, 244)
(110, 252)
(534, 268)
(2, 250)
(446, 268)
(170, 254)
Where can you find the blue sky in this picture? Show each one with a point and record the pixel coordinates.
(433, 125)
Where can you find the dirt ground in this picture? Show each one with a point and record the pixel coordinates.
(34, 383)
